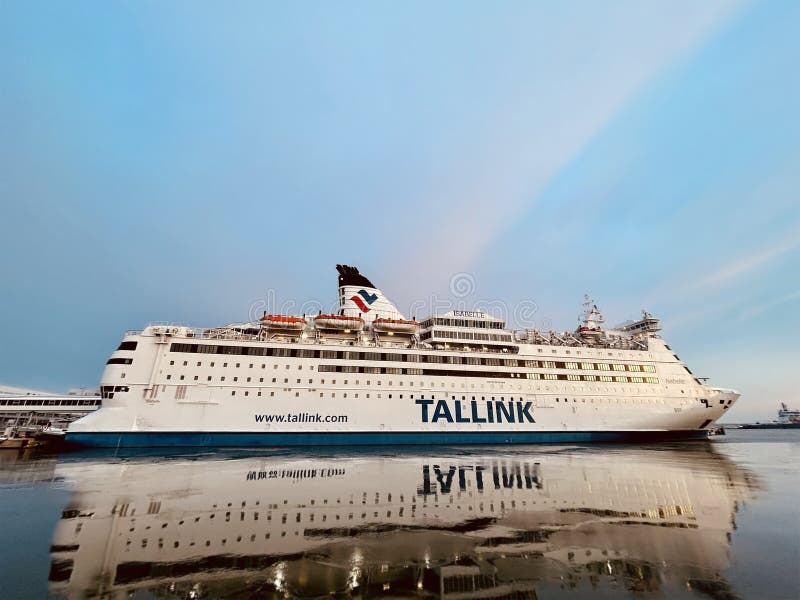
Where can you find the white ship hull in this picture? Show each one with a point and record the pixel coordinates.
(384, 408)
(168, 386)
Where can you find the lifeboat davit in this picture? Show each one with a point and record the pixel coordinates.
(283, 322)
(401, 326)
(339, 322)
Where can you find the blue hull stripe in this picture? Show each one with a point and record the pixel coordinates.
(140, 439)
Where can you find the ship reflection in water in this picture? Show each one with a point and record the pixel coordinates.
(524, 524)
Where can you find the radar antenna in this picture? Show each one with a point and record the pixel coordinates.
(589, 325)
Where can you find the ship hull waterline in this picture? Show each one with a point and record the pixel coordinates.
(220, 439)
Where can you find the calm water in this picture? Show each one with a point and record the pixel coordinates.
(702, 520)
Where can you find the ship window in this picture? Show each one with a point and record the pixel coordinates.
(169, 376)
(272, 393)
(119, 361)
(209, 378)
(236, 379)
(222, 378)
(127, 346)
(233, 393)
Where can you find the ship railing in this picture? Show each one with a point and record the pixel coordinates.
(721, 390)
(570, 339)
(252, 332)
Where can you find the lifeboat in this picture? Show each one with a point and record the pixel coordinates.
(401, 326)
(590, 334)
(283, 322)
(339, 322)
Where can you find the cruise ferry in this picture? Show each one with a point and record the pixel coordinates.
(366, 374)
(788, 418)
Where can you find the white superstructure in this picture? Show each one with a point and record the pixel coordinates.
(368, 375)
(787, 415)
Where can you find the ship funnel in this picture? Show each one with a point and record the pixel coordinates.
(358, 297)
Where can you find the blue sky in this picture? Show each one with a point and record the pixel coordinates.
(176, 161)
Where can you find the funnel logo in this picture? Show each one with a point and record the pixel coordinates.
(364, 300)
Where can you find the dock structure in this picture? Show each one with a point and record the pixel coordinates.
(37, 409)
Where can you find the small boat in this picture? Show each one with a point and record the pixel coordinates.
(583, 330)
(283, 322)
(52, 433)
(392, 326)
(339, 322)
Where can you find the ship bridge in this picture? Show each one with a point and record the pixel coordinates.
(467, 329)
